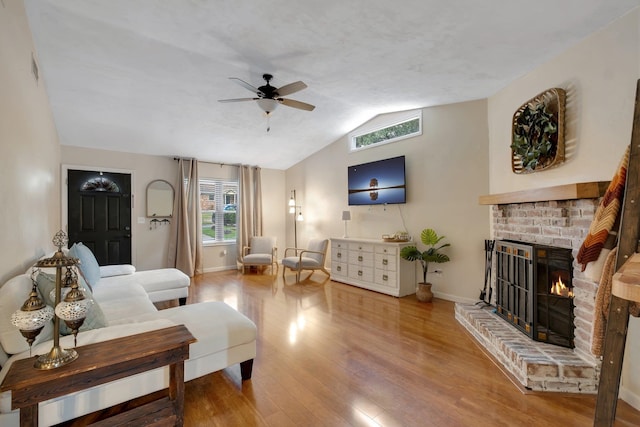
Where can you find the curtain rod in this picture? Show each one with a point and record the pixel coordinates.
(211, 163)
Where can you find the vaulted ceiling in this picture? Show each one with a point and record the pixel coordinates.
(145, 76)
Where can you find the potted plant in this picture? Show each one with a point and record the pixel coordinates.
(411, 253)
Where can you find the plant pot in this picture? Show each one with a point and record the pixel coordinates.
(423, 292)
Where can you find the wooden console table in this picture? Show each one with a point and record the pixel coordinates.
(103, 362)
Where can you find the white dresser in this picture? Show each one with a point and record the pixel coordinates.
(372, 264)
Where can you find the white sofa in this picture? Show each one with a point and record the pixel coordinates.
(224, 336)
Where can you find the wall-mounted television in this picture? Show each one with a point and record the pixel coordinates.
(377, 183)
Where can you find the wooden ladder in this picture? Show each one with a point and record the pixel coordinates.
(618, 322)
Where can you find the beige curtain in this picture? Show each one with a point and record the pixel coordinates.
(185, 244)
(250, 221)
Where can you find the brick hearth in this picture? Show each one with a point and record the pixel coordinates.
(536, 365)
(541, 366)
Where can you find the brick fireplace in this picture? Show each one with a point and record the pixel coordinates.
(561, 223)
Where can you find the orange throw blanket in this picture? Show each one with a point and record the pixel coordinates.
(606, 215)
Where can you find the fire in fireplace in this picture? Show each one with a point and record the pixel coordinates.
(534, 290)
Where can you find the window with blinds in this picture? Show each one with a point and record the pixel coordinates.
(219, 207)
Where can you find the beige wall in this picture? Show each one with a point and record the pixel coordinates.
(30, 196)
(446, 170)
(150, 244)
(600, 76)
(274, 207)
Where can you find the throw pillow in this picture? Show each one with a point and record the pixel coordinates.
(95, 317)
(46, 284)
(88, 264)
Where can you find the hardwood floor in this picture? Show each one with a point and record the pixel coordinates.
(331, 354)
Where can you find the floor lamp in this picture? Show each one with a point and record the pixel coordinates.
(293, 207)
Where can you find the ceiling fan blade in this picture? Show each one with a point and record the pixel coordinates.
(296, 104)
(291, 88)
(237, 99)
(247, 86)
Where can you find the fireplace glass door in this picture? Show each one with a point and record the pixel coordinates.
(534, 290)
(554, 296)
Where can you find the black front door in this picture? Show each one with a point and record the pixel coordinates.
(99, 209)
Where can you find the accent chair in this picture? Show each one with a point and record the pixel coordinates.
(260, 252)
(311, 258)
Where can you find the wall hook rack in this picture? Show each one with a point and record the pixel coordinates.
(155, 223)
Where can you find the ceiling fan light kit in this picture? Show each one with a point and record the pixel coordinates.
(268, 97)
(267, 104)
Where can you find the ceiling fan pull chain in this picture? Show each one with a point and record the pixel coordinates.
(268, 124)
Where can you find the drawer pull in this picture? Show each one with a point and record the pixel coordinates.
(359, 247)
(359, 257)
(339, 268)
(339, 255)
(385, 277)
(385, 261)
(359, 272)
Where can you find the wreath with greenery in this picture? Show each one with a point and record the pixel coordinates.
(535, 136)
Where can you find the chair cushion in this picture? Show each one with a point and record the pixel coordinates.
(318, 245)
(257, 259)
(294, 261)
(262, 245)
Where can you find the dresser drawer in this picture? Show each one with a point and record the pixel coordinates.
(361, 247)
(339, 268)
(386, 278)
(361, 258)
(387, 250)
(338, 245)
(386, 262)
(364, 274)
(339, 254)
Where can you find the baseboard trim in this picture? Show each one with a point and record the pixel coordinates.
(223, 268)
(454, 298)
(630, 397)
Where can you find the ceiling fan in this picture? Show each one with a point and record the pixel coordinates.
(268, 97)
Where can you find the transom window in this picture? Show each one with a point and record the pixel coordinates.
(406, 126)
(219, 207)
(100, 184)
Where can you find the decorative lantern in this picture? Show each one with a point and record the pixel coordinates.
(34, 314)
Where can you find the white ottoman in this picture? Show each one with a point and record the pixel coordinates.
(225, 337)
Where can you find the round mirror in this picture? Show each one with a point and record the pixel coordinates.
(159, 199)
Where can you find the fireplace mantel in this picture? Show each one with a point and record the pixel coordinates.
(581, 190)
